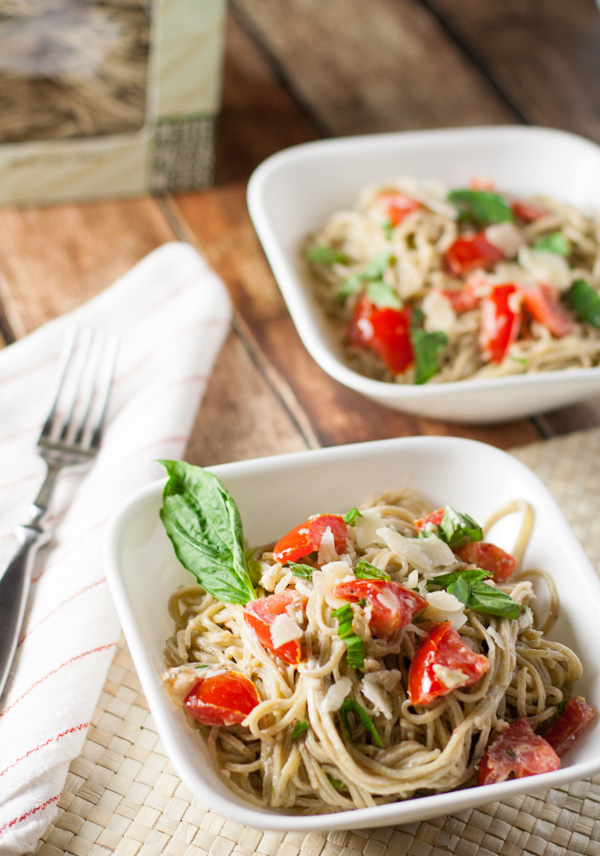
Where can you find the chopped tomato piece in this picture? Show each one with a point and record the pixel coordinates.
(500, 321)
(570, 725)
(543, 303)
(517, 752)
(222, 699)
(392, 605)
(470, 252)
(385, 331)
(527, 211)
(442, 663)
(397, 206)
(306, 538)
(261, 615)
(433, 519)
(489, 557)
(466, 298)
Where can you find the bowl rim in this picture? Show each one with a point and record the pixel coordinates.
(407, 811)
(292, 290)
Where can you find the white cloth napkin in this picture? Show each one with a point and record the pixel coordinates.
(171, 313)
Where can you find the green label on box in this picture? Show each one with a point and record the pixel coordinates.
(182, 154)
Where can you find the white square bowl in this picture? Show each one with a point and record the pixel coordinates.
(295, 191)
(273, 494)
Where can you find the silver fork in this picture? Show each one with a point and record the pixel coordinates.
(70, 437)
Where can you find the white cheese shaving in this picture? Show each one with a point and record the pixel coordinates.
(181, 680)
(426, 553)
(443, 606)
(335, 695)
(327, 551)
(283, 630)
(270, 577)
(328, 577)
(506, 237)
(438, 311)
(545, 267)
(451, 678)
(375, 687)
(412, 580)
(366, 527)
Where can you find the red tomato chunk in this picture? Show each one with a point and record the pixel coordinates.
(433, 519)
(222, 699)
(471, 252)
(570, 725)
(516, 752)
(306, 538)
(392, 605)
(260, 615)
(385, 331)
(443, 647)
(543, 303)
(489, 557)
(397, 206)
(500, 321)
(527, 211)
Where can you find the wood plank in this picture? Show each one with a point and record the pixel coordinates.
(54, 259)
(366, 68)
(222, 228)
(542, 55)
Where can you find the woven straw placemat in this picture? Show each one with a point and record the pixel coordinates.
(123, 797)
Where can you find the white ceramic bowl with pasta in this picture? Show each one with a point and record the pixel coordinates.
(273, 494)
(294, 192)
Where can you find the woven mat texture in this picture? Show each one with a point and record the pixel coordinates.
(123, 797)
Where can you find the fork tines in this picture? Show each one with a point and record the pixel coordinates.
(79, 402)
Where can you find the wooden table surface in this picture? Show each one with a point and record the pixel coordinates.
(296, 71)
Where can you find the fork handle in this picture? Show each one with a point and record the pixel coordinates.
(14, 589)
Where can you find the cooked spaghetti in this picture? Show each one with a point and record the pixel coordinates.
(340, 720)
(426, 286)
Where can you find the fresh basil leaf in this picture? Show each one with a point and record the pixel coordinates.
(366, 571)
(388, 229)
(301, 570)
(472, 575)
(560, 707)
(201, 666)
(585, 300)
(458, 529)
(351, 706)
(355, 647)
(460, 589)
(372, 273)
(484, 598)
(482, 206)
(205, 528)
(350, 517)
(299, 728)
(556, 242)
(382, 294)
(337, 783)
(253, 565)
(326, 255)
(427, 348)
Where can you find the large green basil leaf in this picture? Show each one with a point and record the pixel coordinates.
(205, 528)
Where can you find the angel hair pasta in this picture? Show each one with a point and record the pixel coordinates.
(429, 286)
(387, 653)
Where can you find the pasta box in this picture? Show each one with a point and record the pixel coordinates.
(107, 99)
